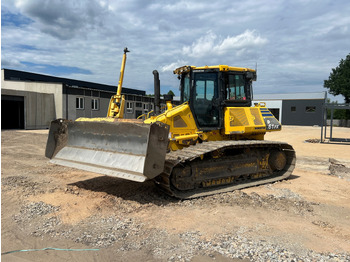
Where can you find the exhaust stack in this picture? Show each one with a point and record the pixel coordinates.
(156, 92)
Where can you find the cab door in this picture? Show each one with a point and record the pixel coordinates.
(205, 100)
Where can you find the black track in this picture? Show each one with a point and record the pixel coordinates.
(192, 153)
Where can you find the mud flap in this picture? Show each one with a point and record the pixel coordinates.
(132, 151)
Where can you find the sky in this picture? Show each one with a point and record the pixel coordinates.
(294, 44)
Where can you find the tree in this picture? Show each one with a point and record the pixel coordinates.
(338, 82)
(171, 93)
(337, 113)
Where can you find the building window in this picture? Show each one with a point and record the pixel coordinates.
(145, 107)
(310, 109)
(129, 107)
(129, 97)
(138, 104)
(79, 102)
(293, 109)
(95, 104)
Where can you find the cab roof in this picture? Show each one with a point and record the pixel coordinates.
(185, 69)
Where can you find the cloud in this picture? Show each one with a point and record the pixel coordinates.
(13, 19)
(172, 66)
(58, 70)
(211, 44)
(291, 41)
(183, 5)
(240, 42)
(64, 19)
(10, 63)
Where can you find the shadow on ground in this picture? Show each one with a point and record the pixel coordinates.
(292, 177)
(144, 193)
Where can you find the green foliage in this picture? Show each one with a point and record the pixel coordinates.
(337, 113)
(171, 93)
(338, 82)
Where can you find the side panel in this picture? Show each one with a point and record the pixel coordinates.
(182, 125)
(272, 124)
(249, 120)
(180, 120)
(275, 106)
(243, 120)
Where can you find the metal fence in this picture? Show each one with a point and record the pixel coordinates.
(332, 107)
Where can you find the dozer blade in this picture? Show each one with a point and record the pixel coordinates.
(133, 151)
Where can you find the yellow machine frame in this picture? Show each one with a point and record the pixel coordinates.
(240, 123)
(183, 129)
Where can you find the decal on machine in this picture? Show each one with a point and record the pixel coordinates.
(265, 112)
(272, 124)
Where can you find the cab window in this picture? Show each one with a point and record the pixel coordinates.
(205, 86)
(235, 89)
(186, 88)
(205, 93)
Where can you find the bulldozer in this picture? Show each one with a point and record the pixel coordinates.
(213, 142)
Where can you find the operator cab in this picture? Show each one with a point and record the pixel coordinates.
(211, 88)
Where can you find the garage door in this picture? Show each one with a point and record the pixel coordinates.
(12, 112)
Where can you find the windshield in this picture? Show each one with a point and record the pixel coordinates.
(205, 84)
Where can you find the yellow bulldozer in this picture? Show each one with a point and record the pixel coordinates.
(212, 142)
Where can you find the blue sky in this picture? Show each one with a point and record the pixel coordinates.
(294, 43)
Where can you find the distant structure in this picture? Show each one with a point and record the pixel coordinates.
(303, 109)
(32, 101)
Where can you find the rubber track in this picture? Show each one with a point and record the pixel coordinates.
(193, 152)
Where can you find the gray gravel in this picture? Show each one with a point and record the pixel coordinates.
(339, 169)
(25, 185)
(285, 200)
(33, 210)
(126, 234)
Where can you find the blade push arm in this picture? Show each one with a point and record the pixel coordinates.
(117, 102)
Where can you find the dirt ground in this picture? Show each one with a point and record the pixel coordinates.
(306, 217)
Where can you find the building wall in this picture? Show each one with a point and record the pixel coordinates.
(138, 104)
(302, 112)
(37, 87)
(42, 101)
(70, 110)
(39, 108)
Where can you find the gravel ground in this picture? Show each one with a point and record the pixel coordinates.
(47, 205)
(130, 235)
